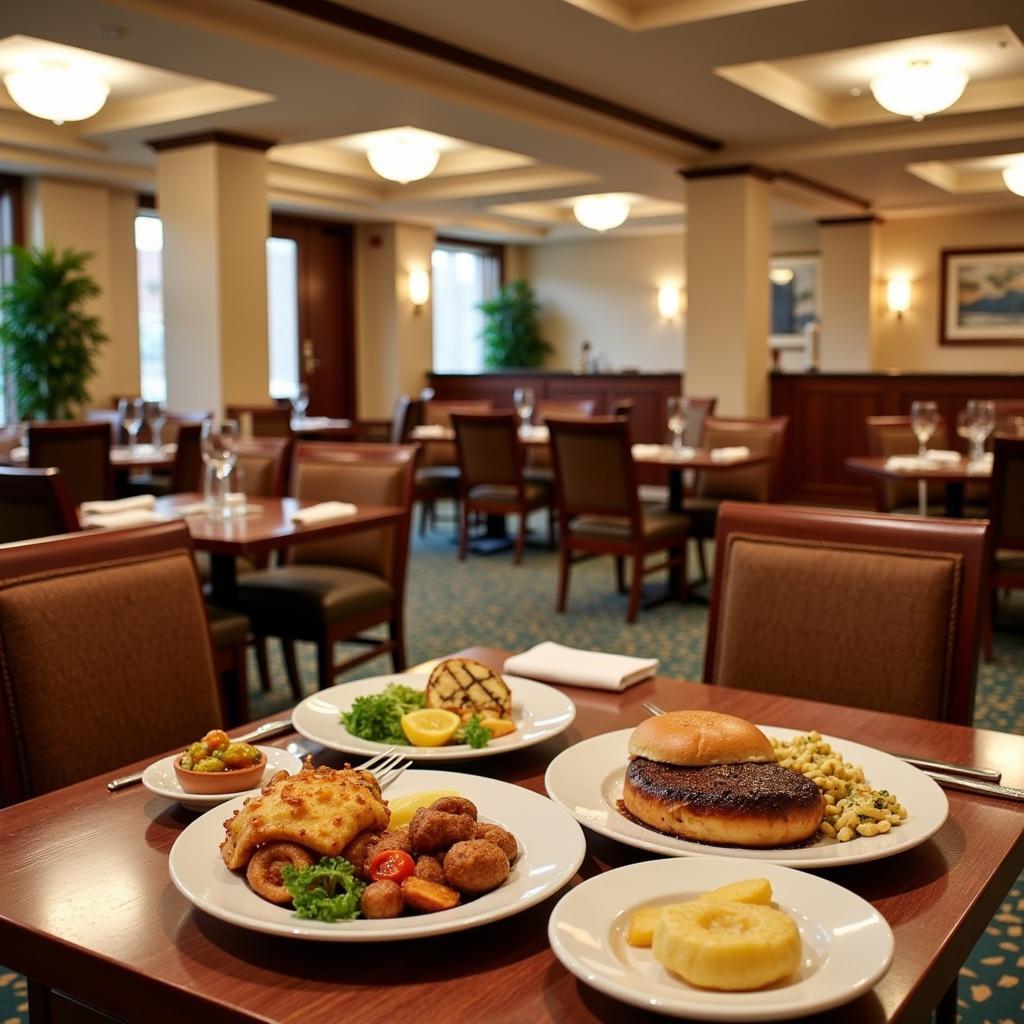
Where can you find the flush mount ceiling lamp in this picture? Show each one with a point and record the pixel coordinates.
(601, 212)
(920, 87)
(780, 275)
(1013, 178)
(403, 157)
(56, 92)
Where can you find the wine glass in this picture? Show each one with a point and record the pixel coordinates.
(924, 421)
(219, 442)
(678, 413)
(156, 417)
(981, 415)
(524, 400)
(132, 412)
(300, 401)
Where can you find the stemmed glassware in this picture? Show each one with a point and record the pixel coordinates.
(300, 401)
(678, 412)
(132, 411)
(978, 420)
(524, 400)
(219, 446)
(156, 417)
(924, 421)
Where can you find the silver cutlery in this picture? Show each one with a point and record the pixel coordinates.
(262, 732)
(975, 786)
(386, 766)
(943, 768)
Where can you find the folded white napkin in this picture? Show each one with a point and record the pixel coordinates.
(532, 432)
(663, 451)
(942, 457)
(553, 663)
(647, 451)
(429, 430)
(730, 454)
(116, 520)
(311, 422)
(103, 508)
(140, 451)
(982, 466)
(19, 454)
(195, 507)
(325, 510)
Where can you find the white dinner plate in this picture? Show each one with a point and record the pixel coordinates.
(587, 781)
(551, 849)
(159, 778)
(539, 712)
(847, 944)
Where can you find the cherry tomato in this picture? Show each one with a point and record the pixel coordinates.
(391, 865)
(215, 739)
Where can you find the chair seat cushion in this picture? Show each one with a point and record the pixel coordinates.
(228, 628)
(703, 513)
(539, 475)
(1010, 561)
(324, 593)
(502, 494)
(658, 523)
(433, 481)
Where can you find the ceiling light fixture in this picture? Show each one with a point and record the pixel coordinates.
(920, 87)
(780, 275)
(56, 92)
(601, 212)
(403, 157)
(1013, 178)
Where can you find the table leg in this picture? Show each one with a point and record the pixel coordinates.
(922, 497)
(955, 499)
(675, 504)
(223, 581)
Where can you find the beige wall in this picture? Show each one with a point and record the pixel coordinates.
(605, 290)
(100, 220)
(847, 294)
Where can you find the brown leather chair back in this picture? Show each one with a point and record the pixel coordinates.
(1009, 417)
(112, 417)
(439, 414)
(404, 416)
(176, 420)
(868, 610)
(1006, 494)
(187, 471)
(81, 451)
(267, 420)
(594, 469)
(488, 449)
(563, 408)
(34, 503)
(763, 436)
(264, 460)
(701, 409)
(105, 655)
(367, 474)
(893, 435)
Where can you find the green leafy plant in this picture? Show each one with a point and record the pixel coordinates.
(511, 332)
(326, 891)
(49, 340)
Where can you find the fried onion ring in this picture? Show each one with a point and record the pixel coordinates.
(264, 870)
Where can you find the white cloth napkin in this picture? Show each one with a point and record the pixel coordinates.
(982, 466)
(116, 520)
(195, 507)
(534, 432)
(103, 508)
(553, 663)
(730, 454)
(325, 510)
(19, 454)
(140, 451)
(663, 451)
(942, 457)
(430, 430)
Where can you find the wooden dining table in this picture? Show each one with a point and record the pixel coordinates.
(88, 911)
(955, 475)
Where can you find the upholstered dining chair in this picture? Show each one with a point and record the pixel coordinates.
(105, 655)
(864, 609)
(1006, 514)
(81, 451)
(34, 503)
(266, 420)
(333, 590)
(700, 411)
(538, 466)
(599, 509)
(491, 480)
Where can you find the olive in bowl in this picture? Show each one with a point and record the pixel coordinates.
(215, 764)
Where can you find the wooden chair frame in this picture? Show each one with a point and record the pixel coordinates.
(73, 430)
(42, 486)
(1003, 534)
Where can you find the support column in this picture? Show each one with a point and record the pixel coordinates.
(728, 241)
(849, 302)
(212, 200)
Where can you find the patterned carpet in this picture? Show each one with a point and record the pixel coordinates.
(486, 600)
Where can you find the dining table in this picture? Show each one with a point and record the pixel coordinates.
(955, 475)
(89, 913)
(123, 458)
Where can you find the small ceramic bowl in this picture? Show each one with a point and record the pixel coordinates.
(234, 780)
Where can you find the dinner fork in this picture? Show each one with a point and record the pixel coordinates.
(985, 774)
(386, 766)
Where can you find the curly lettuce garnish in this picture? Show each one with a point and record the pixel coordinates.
(326, 891)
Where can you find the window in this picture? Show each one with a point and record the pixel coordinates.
(149, 244)
(794, 298)
(464, 276)
(10, 234)
(283, 316)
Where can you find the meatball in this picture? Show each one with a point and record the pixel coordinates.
(455, 805)
(382, 899)
(397, 840)
(355, 852)
(500, 837)
(429, 869)
(432, 830)
(475, 866)
(264, 870)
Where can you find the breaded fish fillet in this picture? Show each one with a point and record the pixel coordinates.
(323, 809)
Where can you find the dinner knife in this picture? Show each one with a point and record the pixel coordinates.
(265, 731)
(976, 786)
(985, 774)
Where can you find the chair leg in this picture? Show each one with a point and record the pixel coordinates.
(620, 574)
(463, 531)
(521, 539)
(682, 584)
(702, 559)
(291, 667)
(396, 630)
(563, 578)
(988, 616)
(260, 644)
(636, 587)
(423, 518)
(241, 682)
(551, 527)
(945, 1012)
(325, 662)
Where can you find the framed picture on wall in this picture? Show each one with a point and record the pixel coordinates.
(982, 296)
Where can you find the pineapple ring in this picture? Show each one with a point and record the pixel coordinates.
(728, 946)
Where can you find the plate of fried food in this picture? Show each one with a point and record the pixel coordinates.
(701, 783)
(322, 854)
(463, 709)
(713, 938)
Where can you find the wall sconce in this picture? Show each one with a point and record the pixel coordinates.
(670, 301)
(419, 289)
(897, 295)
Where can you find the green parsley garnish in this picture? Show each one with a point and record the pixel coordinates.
(475, 733)
(328, 891)
(378, 717)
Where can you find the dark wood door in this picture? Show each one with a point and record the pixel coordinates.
(326, 311)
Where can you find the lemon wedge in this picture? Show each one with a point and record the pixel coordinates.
(430, 727)
(404, 807)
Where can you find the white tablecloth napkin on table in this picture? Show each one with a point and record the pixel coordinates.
(430, 430)
(663, 451)
(19, 454)
(730, 454)
(534, 432)
(325, 510)
(196, 507)
(982, 466)
(553, 663)
(116, 520)
(103, 508)
(942, 457)
(140, 451)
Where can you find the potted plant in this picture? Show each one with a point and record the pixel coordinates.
(48, 339)
(511, 332)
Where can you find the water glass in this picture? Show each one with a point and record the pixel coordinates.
(156, 417)
(981, 416)
(678, 413)
(300, 401)
(924, 421)
(218, 444)
(524, 401)
(132, 411)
